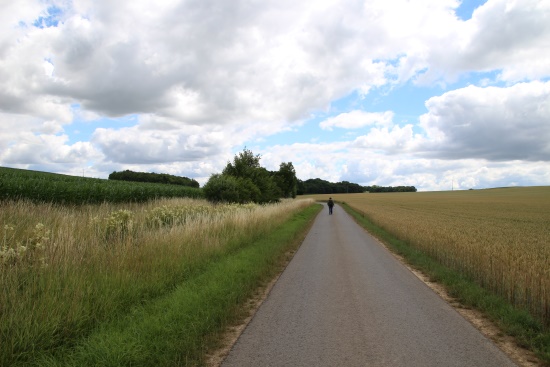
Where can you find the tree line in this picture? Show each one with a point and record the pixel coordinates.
(163, 178)
(375, 188)
(244, 180)
(319, 186)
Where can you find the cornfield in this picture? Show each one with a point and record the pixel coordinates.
(500, 238)
(45, 187)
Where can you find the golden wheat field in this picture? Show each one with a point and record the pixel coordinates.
(498, 237)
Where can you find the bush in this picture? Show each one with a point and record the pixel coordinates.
(230, 189)
(222, 188)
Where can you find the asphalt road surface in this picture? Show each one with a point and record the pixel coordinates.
(344, 300)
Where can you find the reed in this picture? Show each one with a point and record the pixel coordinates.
(65, 270)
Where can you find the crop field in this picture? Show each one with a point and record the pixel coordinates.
(500, 238)
(57, 188)
(65, 270)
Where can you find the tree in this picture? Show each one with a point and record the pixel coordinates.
(270, 191)
(286, 180)
(244, 164)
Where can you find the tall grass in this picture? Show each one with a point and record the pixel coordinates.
(500, 238)
(65, 270)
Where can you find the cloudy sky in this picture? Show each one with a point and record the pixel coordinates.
(431, 93)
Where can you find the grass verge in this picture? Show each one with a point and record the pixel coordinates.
(180, 328)
(518, 323)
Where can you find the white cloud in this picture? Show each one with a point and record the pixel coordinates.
(47, 150)
(206, 77)
(510, 35)
(506, 36)
(357, 119)
(492, 123)
(209, 62)
(309, 160)
(390, 140)
(368, 167)
(134, 146)
(212, 62)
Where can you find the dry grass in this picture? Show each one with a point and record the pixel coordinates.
(499, 237)
(64, 270)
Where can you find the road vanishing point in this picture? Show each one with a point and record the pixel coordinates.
(345, 300)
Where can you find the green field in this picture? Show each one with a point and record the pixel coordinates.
(16, 184)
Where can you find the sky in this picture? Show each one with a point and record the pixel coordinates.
(437, 94)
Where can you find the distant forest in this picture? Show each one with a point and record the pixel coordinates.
(164, 178)
(375, 188)
(319, 186)
(311, 186)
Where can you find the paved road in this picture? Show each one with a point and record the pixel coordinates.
(344, 300)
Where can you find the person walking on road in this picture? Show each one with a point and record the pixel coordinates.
(330, 205)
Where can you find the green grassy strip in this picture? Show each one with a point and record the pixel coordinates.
(180, 328)
(518, 323)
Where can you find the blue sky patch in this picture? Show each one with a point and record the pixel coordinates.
(49, 20)
(467, 7)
